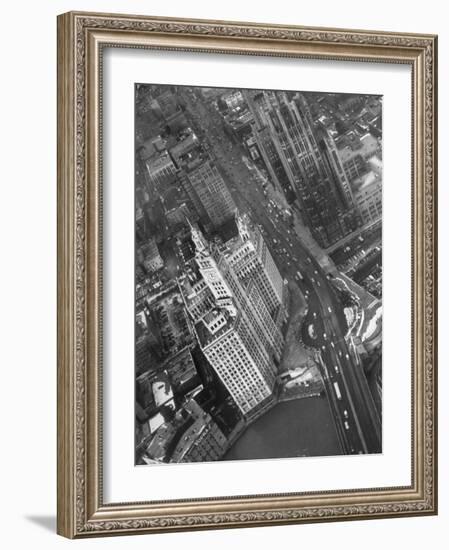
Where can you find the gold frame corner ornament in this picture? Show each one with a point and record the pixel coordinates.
(81, 36)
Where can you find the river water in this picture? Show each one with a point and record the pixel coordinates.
(302, 427)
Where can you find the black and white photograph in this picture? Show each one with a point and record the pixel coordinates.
(258, 274)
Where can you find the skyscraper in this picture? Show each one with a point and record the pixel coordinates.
(257, 104)
(233, 326)
(313, 170)
(207, 190)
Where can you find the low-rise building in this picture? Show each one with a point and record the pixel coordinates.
(202, 441)
(181, 369)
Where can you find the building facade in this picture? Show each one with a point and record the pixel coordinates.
(251, 260)
(369, 197)
(242, 365)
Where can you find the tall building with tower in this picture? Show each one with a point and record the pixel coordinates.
(234, 327)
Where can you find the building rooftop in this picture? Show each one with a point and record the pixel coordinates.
(238, 119)
(355, 145)
(181, 367)
(375, 164)
(227, 230)
(206, 337)
(158, 161)
(367, 180)
(184, 146)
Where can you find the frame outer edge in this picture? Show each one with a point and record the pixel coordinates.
(434, 297)
(66, 287)
(74, 483)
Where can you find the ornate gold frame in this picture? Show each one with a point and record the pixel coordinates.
(81, 37)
